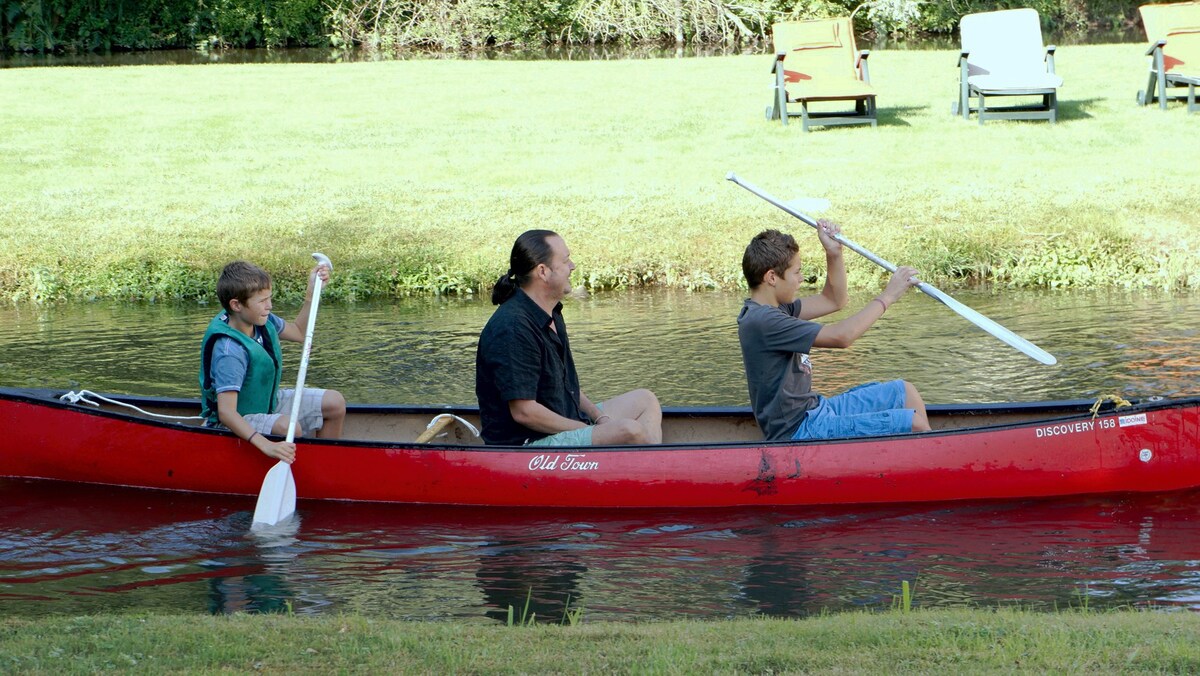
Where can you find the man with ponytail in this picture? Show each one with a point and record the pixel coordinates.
(525, 376)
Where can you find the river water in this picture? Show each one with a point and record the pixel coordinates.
(584, 52)
(77, 549)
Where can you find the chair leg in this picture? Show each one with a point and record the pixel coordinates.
(780, 98)
(1148, 97)
(804, 121)
(982, 109)
(1191, 99)
(1052, 106)
(1159, 67)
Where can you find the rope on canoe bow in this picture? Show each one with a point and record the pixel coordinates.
(76, 397)
(1116, 399)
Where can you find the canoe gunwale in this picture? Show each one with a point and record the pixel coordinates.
(1073, 409)
(1055, 450)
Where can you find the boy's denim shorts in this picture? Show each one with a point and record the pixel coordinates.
(872, 409)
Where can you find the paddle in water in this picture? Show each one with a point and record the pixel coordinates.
(1008, 337)
(277, 498)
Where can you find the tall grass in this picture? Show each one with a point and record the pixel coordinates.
(416, 176)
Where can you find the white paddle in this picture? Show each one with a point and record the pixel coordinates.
(989, 325)
(277, 499)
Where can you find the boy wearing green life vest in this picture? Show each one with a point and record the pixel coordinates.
(241, 366)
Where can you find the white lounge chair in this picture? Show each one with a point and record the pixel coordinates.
(1002, 57)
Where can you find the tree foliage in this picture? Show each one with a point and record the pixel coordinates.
(101, 25)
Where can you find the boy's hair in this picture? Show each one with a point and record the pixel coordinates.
(769, 250)
(241, 280)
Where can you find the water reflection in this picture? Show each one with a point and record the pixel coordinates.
(82, 549)
(682, 345)
(537, 583)
(581, 52)
(189, 57)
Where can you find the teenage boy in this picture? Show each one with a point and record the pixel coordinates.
(777, 334)
(241, 366)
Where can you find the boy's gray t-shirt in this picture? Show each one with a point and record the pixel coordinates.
(775, 345)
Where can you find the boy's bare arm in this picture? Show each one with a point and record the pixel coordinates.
(228, 414)
(294, 330)
(834, 294)
(844, 333)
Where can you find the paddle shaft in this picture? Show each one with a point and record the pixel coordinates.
(308, 336)
(277, 497)
(989, 325)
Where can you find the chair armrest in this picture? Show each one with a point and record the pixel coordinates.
(779, 57)
(863, 54)
(1049, 58)
(1050, 49)
(1157, 45)
(962, 56)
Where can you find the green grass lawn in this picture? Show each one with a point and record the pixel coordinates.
(416, 176)
(949, 641)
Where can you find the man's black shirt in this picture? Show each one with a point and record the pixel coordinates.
(521, 357)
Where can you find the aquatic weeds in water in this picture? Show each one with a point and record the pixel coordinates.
(527, 619)
(571, 616)
(904, 603)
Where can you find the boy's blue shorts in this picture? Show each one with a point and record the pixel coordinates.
(868, 410)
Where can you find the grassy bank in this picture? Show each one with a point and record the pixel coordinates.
(934, 641)
(416, 176)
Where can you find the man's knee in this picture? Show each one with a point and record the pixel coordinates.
(627, 431)
(619, 431)
(648, 400)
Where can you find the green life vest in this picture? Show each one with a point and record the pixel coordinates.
(263, 372)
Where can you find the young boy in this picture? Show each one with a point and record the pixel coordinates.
(241, 366)
(776, 337)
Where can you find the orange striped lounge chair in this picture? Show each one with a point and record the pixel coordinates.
(817, 62)
(1174, 34)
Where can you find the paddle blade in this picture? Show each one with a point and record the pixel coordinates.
(991, 326)
(277, 499)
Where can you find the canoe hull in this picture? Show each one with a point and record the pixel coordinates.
(1152, 447)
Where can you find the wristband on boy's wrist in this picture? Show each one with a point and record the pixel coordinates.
(250, 438)
(885, 305)
(602, 417)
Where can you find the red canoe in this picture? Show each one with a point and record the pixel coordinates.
(712, 457)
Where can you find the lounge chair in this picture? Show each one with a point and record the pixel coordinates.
(817, 61)
(1174, 34)
(1003, 57)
